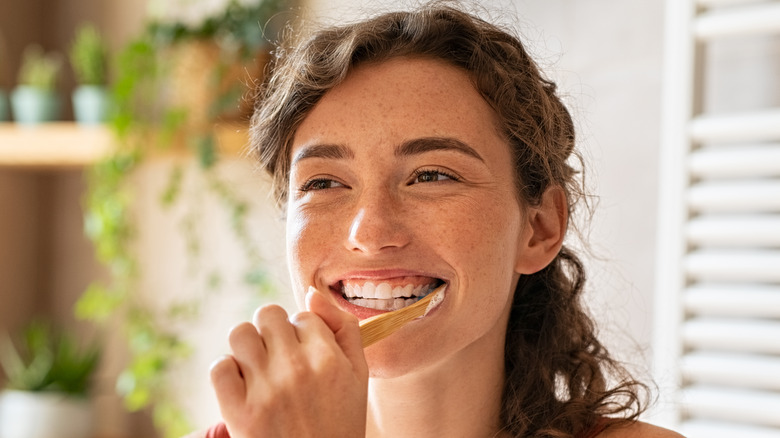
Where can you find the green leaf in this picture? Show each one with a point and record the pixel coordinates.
(206, 149)
(172, 419)
(39, 69)
(97, 303)
(89, 56)
(48, 360)
(172, 190)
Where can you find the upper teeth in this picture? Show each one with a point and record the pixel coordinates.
(385, 290)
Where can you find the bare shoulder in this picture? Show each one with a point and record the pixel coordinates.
(638, 430)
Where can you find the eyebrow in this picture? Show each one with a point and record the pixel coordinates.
(324, 150)
(428, 144)
(408, 148)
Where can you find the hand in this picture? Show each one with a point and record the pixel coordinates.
(302, 377)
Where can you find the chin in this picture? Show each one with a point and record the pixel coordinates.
(389, 367)
(400, 356)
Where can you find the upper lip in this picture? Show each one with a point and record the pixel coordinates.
(380, 274)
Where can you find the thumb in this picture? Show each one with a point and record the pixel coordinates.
(343, 325)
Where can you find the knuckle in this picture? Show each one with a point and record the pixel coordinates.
(304, 318)
(269, 312)
(298, 367)
(329, 361)
(240, 332)
(221, 367)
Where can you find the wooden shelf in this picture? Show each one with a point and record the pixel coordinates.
(63, 145)
(53, 145)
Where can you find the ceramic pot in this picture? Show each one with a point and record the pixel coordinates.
(25, 414)
(3, 106)
(31, 105)
(91, 104)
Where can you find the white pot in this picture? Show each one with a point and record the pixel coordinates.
(91, 104)
(26, 414)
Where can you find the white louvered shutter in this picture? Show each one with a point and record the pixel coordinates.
(717, 344)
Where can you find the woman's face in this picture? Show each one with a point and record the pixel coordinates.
(400, 180)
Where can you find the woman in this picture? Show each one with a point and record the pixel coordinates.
(410, 150)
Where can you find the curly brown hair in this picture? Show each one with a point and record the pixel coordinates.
(560, 380)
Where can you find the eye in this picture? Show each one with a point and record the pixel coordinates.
(431, 175)
(319, 184)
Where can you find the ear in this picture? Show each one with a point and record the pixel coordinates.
(544, 229)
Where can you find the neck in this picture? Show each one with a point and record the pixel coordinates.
(461, 396)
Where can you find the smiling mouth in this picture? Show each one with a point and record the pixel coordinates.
(387, 296)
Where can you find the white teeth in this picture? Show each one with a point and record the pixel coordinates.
(384, 296)
(383, 291)
(391, 304)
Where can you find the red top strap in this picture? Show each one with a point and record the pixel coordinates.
(218, 431)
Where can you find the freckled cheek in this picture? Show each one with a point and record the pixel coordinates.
(305, 239)
(311, 234)
(477, 228)
(481, 242)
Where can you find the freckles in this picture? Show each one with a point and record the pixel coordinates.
(305, 234)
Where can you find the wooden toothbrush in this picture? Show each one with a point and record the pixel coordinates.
(381, 326)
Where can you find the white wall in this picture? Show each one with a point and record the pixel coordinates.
(610, 54)
(606, 57)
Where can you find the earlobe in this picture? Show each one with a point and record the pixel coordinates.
(543, 232)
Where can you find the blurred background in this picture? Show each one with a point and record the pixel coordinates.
(149, 232)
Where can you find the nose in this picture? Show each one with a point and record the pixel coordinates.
(377, 225)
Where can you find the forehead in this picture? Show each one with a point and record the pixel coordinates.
(398, 99)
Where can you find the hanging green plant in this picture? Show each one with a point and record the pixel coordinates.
(147, 125)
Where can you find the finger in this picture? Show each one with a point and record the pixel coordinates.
(228, 384)
(275, 328)
(343, 325)
(310, 328)
(249, 351)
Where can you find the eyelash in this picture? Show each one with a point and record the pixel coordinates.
(309, 185)
(420, 172)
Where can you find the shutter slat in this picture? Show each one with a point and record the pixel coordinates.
(717, 341)
(748, 20)
(714, 3)
(733, 300)
(738, 335)
(762, 231)
(757, 407)
(744, 161)
(733, 265)
(720, 429)
(756, 196)
(747, 127)
(750, 371)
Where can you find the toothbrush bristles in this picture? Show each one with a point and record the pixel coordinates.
(381, 326)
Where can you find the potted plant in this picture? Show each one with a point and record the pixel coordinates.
(34, 100)
(3, 97)
(89, 60)
(3, 106)
(48, 380)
